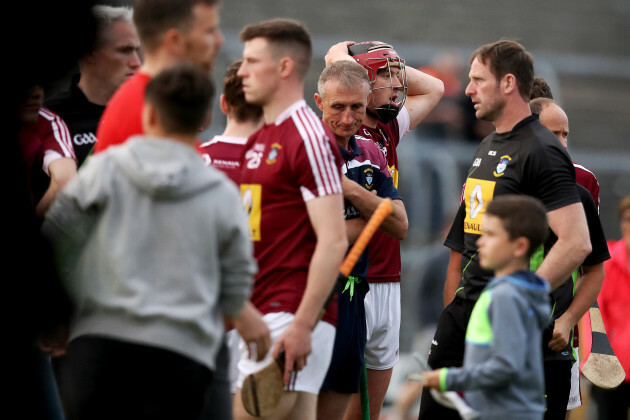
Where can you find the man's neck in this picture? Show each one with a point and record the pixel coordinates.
(370, 121)
(343, 141)
(188, 140)
(288, 94)
(515, 111)
(240, 129)
(155, 62)
(95, 91)
(511, 268)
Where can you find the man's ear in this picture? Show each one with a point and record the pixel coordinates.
(509, 83)
(150, 120)
(522, 246)
(223, 104)
(319, 101)
(172, 41)
(287, 65)
(88, 58)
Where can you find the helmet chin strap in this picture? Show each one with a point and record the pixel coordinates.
(385, 113)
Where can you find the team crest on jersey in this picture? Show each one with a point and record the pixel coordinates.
(503, 163)
(273, 153)
(477, 162)
(369, 178)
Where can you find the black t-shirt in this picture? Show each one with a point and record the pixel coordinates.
(527, 160)
(80, 115)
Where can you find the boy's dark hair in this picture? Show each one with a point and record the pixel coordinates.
(154, 17)
(522, 216)
(181, 95)
(238, 108)
(540, 89)
(508, 57)
(286, 37)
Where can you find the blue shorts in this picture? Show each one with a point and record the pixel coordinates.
(344, 372)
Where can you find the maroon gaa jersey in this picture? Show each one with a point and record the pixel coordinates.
(284, 165)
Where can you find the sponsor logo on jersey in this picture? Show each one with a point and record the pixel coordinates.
(503, 163)
(492, 153)
(81, 139)
(273, 153)
(369, 178)
(477, 194)
(477, 162)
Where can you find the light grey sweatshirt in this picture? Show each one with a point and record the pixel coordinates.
(154, 247)
(503, 374)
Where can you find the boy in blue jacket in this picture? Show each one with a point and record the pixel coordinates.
(502, 374)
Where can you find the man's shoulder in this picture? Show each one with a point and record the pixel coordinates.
(60, 101)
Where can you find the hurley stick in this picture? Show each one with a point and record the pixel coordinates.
(602, 367)
(262, 390)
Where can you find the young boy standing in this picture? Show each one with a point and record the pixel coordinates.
(503, 366)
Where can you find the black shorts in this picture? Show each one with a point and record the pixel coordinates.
(557, 388)
(106, 378)
(344, 372)
(447, 350)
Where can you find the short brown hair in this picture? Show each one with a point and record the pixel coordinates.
(238, 108)
(181, 95)
(508, 57)
(540, 89)
(624, 205)
(349, 74)
(522, 216)
(154, 17)
(286, 37)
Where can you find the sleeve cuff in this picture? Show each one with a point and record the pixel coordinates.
(443, 373)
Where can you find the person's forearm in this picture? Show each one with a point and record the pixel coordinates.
(586, 292)
(420, 83)
(322, 275)
(354, 227)
(453, 277)
(563, 258)
(423, 94)
(572, 247)
(396, 224)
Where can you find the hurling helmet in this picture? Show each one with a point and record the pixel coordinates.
(375, 56)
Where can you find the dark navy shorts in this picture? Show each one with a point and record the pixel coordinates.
(344, 372)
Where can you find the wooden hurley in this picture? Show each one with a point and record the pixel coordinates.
(602, 368)
(262, 390)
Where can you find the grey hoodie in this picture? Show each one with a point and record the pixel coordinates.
(154, 246)
(503, 374)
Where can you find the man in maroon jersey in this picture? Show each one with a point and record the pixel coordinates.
(401, 97)
(224, 152)
(243, 119)
(46, 150)
(290, 185)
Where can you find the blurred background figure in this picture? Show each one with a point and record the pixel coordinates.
(613, 304)
(454, 116)
(113, 57)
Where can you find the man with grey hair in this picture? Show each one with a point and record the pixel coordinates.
(343, 92)
(112, 59)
